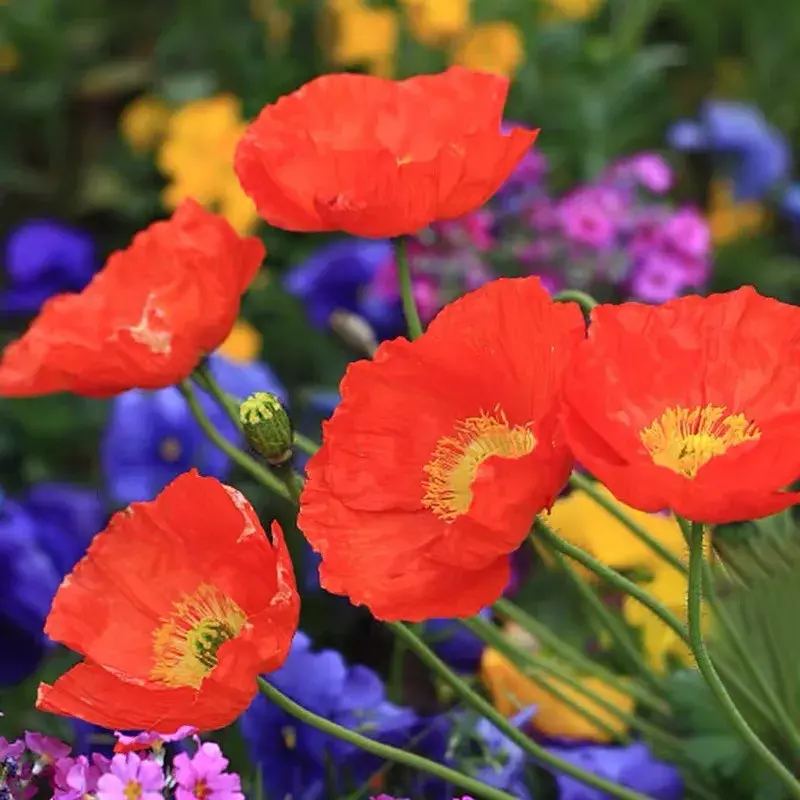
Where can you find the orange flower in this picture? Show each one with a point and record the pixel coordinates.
(145, 320)
(177, 607)
(692, 405)
(377, 158)
(441, 453)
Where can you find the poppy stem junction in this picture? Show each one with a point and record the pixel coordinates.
(589, 487)
(585, 301)
(261, 474)
(709, 672)
(407, 290)
(384, 751)
(488, 711)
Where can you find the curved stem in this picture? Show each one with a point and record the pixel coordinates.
(578, 659)
(262, 475)
(585, 301)
(709, 672)
(379, 749)
(486, 710)
(413, 321)
(308, 446)
(588, 486)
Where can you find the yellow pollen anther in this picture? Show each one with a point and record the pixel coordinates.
(684, 439)
(132, 790)
(289, 736)
(185, 645)
(170, 449)
(456, 459)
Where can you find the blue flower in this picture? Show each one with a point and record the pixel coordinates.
(43, 258)
(758, 154)
(298, 760)
(631, 766)
(152, 437)
(456, 644)
(42, 535)
(336, 277)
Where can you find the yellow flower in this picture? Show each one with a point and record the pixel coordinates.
(143, 122)
(437, 22)
(277, 19)
(491, 47)
(243, 343)
(571, 10)
(729, 220)
(361, 36)
(585, 523)
(9, 58)
(511, 691)
(197, 156)
(669, 588)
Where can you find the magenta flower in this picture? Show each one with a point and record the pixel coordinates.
(687, 233)
(15, 749)
(47, 748)
(75, 778)
(150, 740)
(649, 170)
(130, 777)
(203, 776)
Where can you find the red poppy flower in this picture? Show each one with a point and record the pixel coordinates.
(146, 319)
(692, 405)
(379, 158)
(177, 607)
(441, 453)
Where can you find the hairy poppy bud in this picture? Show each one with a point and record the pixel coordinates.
(267, 427)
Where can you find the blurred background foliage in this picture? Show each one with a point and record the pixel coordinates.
(113, 112)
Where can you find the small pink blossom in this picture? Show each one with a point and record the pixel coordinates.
(74, 778)
(203, 776)
(688, 233)
(585, 221)
(46, 747)
(150, 740)
(651, 171)
(15, 749)
(130, 776)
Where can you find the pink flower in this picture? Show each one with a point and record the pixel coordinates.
(131, 777)
(659, 278)
(14, 749)
(203, 776)
(74, 778)
(150, 740)
(588, 217)
(687, 232)
(46, 747)
(651, 171)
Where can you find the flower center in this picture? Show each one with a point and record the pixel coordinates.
(684, 439)
(185, 645)
(456, 459)
(170, 449)
(132, 790)
(201, 790)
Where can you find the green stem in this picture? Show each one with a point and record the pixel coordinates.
(529, 667)
(619, 631)
(308, 446)
(379, 749)
(709, 672)
(486, 710)
(585, 301)
(576, 658)
(588, 486)
(262, 475)
(205, 380)
(407, 291)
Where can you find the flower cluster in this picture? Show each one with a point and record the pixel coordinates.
(38, 763)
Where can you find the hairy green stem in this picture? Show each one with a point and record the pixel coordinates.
(585, 301)
(413, 322)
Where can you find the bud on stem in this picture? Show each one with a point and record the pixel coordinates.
(267, 427)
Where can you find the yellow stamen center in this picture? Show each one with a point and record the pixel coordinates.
(289, 736)
(185, 645)
(132, 790)
(170, 449)
(456, 460)
(684, 439)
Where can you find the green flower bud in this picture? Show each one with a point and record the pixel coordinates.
(267, 427)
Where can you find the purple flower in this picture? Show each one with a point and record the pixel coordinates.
(687, 232)
(648, 170)
(130, 776)
(150, 740)
(631, 766)
(659, 278)
(589, 217)
(74, 778)
(43, 258)
(203, 776)
(756, 154)
(14, 749)
(456, 644)
(47, 748)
